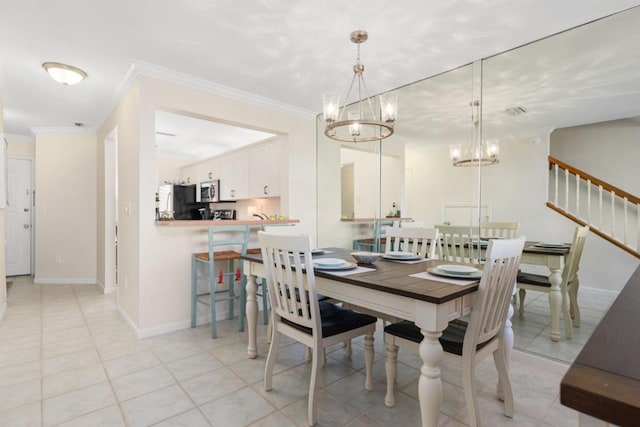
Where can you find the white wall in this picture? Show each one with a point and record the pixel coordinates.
(608, 149)
(65, 212)
(516, 189)
(157, 266)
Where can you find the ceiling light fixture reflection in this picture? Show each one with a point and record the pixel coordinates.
(479, 152)
(361, 122)
(63, 73)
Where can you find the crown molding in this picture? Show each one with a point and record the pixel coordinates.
(41, 130)
(140, 68)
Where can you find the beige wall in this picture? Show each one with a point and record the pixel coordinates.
(156, 264)
(3, 268)
(65, 232)
(21, 146)
(126, 119)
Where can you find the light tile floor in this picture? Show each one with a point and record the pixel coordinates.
(531, 330)
(67, 359)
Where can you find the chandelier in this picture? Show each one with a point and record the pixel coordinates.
(479, 152)
(361, 123)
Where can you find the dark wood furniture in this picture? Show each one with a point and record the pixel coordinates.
(604, 380)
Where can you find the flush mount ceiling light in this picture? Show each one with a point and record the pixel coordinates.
(479, 152)
(65, 74)
(361, 122)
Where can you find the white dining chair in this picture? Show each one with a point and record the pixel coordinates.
(297, 313)
(420, 241)
(568, 286)
(471, 341)
(456, 243)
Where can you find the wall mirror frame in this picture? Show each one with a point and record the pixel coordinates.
(581, 76)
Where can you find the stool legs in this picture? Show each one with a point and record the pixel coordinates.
(194, 290)
(212, 300)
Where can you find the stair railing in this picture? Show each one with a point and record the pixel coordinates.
(613, 205)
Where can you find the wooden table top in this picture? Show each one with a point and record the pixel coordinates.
(604, 380)
(394, 278)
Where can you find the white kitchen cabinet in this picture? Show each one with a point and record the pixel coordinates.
(234, 179)
(264, 170)
(210, 169)
(190, 174)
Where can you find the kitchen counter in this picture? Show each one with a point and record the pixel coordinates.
(200, 223)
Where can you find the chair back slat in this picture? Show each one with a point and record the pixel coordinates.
(290, 278)
(418, 240)
(455, 243)
(490, 307)
(231, 235)
(503, 230)
(575, 253)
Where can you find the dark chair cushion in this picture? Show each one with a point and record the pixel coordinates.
(336, 320)
(533, 279)
(451, 339)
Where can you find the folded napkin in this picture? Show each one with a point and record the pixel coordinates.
(429, 276)
(356, 270)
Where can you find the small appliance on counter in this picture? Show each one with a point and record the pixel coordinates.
(224, 214)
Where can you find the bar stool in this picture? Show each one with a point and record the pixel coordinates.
(226, 245)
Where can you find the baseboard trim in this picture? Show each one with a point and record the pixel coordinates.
(46, 281)
(106, 290)
(168, 327)
(598, 290)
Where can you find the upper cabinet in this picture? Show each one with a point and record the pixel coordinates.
(209, 170)
(234, 179)
(264, 170)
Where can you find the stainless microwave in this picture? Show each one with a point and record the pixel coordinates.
(210, 191)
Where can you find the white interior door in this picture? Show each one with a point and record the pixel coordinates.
(19, 216)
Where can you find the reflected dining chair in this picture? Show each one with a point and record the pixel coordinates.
(297, 313)
(420, 241)
(217, 268)
(500, 230)
(455, 243)
(568, 285)
(470, 342)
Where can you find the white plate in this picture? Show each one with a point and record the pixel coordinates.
(329, 262)
(399, 255)
(346, 266)
(457, 269)
(438, 272)
(551, 245)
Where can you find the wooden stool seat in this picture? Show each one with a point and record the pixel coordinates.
(254, 251)
(219, 256)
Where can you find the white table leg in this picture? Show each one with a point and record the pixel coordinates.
(555, 299)
(252, 315)
(508, 346)
(430, 384)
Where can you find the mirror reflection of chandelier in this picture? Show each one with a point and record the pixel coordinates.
(361, 123)
(483, 152)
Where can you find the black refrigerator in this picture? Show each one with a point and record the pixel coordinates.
(184, 202)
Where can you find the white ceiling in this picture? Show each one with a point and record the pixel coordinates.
(289, 52)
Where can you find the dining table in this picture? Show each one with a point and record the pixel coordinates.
(393, 288)
(404, 290)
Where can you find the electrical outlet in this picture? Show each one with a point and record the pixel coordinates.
(126, 284)
(59, 259)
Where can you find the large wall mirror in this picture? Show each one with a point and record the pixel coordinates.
(576, 93)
